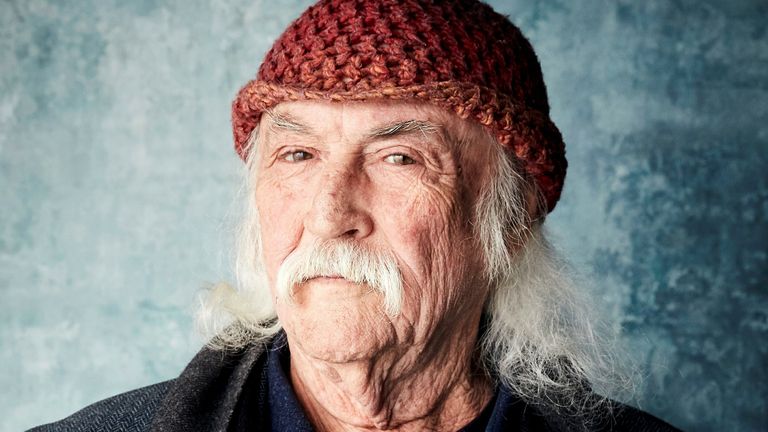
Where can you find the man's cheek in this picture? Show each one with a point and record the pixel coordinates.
(427, 225)
(278, 243)
(279, 237)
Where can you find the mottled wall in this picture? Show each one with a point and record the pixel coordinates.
(117, 181)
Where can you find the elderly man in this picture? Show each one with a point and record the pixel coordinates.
(393, 273)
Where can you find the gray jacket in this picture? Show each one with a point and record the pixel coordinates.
(206, 397)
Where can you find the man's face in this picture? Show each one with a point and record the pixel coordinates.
(385, 177)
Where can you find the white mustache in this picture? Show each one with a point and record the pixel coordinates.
(352, 262)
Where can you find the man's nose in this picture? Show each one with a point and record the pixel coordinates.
(338, 207)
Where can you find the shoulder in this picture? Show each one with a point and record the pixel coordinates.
(612, 417)
(604, 415)
(126, 412)
(627, 418)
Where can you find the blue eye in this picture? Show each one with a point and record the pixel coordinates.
(297, 156)
(399, 159)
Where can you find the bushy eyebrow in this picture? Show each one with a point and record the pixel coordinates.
(404, 128)
(286, 122)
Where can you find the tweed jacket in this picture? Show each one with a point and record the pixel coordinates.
(208, 397)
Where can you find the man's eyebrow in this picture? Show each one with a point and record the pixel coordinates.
(286, 122)
(405, 127)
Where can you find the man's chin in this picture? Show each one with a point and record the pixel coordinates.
(338, 354)
(339, 335)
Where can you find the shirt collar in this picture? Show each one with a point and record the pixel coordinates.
(286, 412)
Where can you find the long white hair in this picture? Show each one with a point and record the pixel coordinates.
(540, 337)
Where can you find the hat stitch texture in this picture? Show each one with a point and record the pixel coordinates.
(459, 55)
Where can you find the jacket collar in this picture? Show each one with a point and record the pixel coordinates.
(204, 397)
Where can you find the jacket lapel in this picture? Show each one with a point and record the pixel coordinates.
(203, 398)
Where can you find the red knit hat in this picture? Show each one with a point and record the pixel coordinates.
(459, 55)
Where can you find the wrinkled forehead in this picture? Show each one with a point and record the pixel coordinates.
(379, 119)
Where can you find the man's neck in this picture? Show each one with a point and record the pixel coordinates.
(404, 391)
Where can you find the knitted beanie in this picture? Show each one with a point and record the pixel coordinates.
(459, 55)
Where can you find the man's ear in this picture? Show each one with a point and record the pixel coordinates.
(536, 207)
(533, 206)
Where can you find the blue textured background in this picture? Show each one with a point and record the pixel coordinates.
(117, 178)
